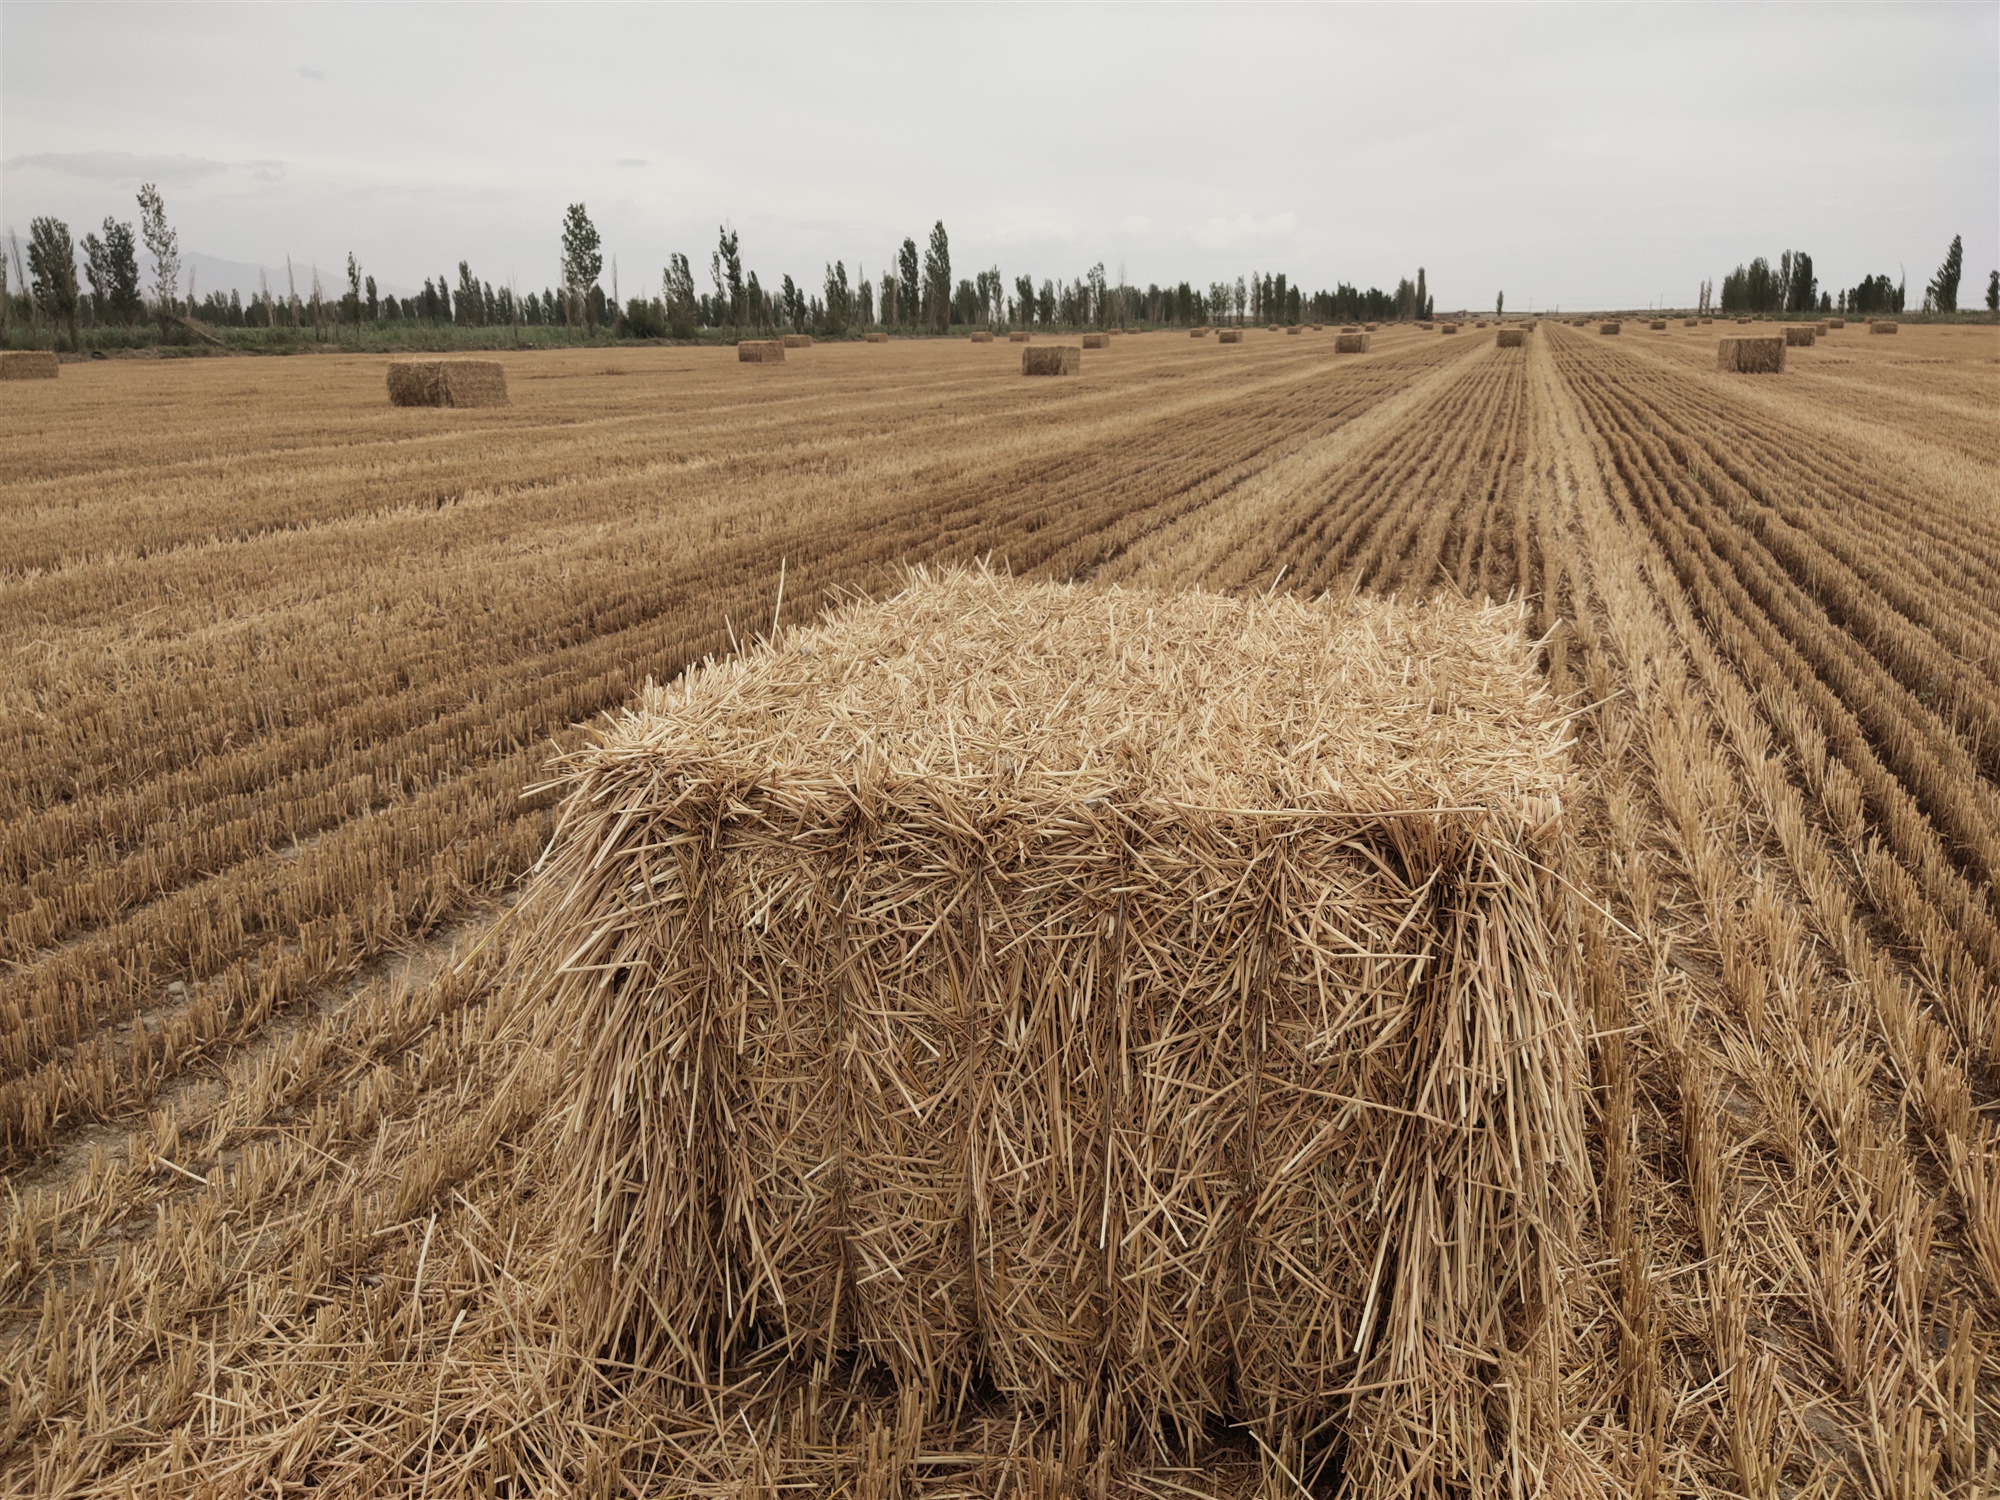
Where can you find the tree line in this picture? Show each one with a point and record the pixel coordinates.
(1791, 287)
(915, 291)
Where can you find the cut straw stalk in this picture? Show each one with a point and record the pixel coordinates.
(1147, 996)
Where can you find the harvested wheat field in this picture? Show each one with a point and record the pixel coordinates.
(337, 1162)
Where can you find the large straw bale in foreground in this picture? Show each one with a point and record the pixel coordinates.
(29, 364)
(1145, 1000)
(1051, 359)
(760, 352)
(1751, 353)
(1350, 343)
(447, 382)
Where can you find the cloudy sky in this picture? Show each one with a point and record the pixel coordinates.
(1569, 155)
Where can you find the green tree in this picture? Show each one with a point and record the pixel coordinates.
(374, 302)
(52, 272)
(1943, 288)
(937, 279)
(1993, 292)
(469, 304)
(839, 299)
(677, 291)
(113, 266)
(351, 303)
(909, 286)
(1500, 305)
(1024, 299)
(725, 269)
(582, 261)
(164, 245)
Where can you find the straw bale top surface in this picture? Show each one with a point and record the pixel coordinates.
(986, 689)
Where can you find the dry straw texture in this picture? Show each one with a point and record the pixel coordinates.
(29, 364)
(1882, 327)
(1609, 327)
(878, 338)
(1691, 323)
(1019, 336)
(447, 382)
(1657, 325)
(1142, 1000)
(760, 352)
(1448, 328)
(1751, 353)
(1051, 359)
(1295, 328)
(797, 341)
(1274, 328)
(1511, 338)
(1350, 343)
(983, 336)
(1097, 341)
(1830, 322)
(1799, 336)
(1230, 336)
(1197, 333)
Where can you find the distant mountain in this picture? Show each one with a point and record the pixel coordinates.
(214, 274)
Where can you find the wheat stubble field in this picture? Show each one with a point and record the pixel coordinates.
(283, 663)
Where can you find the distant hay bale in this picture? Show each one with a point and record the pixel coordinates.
(1425, 326)
(983, 336)
(1480, 324)
(1883, 326)
(1197, 333)
(29, 364)
(1836, 322)
(1230, 336)
(1799, 336)
(1706, 321)
(1294, 329)
(760, 352)
(1511, 338)
(1368, 327)
(1350, 343)
(925, 976)
(1751, 353)
(1275, 328)
(1447, 328)
(1658, 325)
(1051, 359)
(447, 382)
(1097, 341)
(1743, 321)
(1609, 327)
(878, 338)
(797, 341)
(1691, 323)
(1019, 336)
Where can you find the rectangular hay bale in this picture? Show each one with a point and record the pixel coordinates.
(1883, 326)
(1609, 327)
(1051, 359)
(760, 352)
(1350, 343)
(1836, 322)
(29, 364)
(1097, 341)
(1799, 335)
(1657, 325)
(1751, 353)
(1019, 336)
(1447, 328)
(797, 341)
(447, 382)
(1148, 999)
(1230, 336)
(1511, 338)
(878, 338)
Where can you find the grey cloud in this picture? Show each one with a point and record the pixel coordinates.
(631, 161)
(117, 166)
(313, 73)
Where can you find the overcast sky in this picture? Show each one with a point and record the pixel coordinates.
(1568, 155)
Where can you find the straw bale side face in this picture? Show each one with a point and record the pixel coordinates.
(1230, 336)
(1274, 328)
(1830, 322)
(1051, 359)
(1294, 329)
(1690, 323)
(29, 364)
(983, 336)
(1511, 338)
(1197, 333)
(1019, 336)
(1097, 341)
(878, 338)
(797, 341)
(965, 982)
(1657, 325)
(1751, 354)
(1350, 343)
(1609, 327)
(447, 382)
(760, 352)
(1799, 335)
(1882, 327)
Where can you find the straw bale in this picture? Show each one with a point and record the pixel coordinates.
(1609, 327)
(878, 338)
(1051, 359)
(1019, 336)
(1706, 321)
(1138, 999)
(1230, 336)
(1295, 329)
(1511, 338)
(1425, 326)
(797, 341)
(1743, 321)
(1657, 325)
(1882, 326)
(1097, 341)
(1690, 323)
(29, 364)
(983, 336)
(1799, 335)
(1275, 328)
(447, 382)
(760, 352)
(1197, 333)
(1751, 353)
(1835, 322)
(1448, 328)
(1368, 327)
(1350, 343)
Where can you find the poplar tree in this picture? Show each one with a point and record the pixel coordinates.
(582, 260)
(908, 287)
(677, 291)
(164, 245)
(52, 268)
(1943, 288)
(937, 279)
